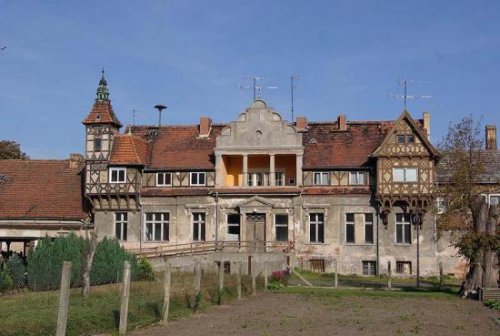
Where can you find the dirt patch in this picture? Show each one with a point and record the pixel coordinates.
(291, 314)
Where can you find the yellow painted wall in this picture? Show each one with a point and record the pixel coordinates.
(258, 162)
(233, 170)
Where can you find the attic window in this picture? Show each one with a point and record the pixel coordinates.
(403, 138)
(98, 117)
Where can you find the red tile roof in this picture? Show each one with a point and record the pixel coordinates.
(129, 149)
(180, 147)
(41, 189)
(102, 113)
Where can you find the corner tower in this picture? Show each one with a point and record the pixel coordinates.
(101, 125)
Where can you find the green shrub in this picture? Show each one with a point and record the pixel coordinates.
(17, 271)
(145, 270)
(493, 304)
(5, 281)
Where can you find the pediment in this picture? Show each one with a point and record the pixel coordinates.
(256, 202)
(259, 127)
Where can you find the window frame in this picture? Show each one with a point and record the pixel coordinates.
(162, 222)
(197, 182)
(201, 229)
(369, 267)
(280, 226)
(322, 174)
(405, 177)
(405, 223)
(367, 224)
(357, 174)
(400, 267)
(120, 224)
(97, 144)
(281, 178)
(234, 224)
(118, 170)
(164, 174)
(317, 223)
(350, 224)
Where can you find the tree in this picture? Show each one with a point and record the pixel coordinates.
(11, 150)
(463, 172)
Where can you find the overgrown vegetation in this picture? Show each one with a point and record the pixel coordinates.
(493, 304)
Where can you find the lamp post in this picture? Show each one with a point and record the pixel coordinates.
(417, 221)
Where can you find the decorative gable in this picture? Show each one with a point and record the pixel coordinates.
(255, 202)
(259, 127)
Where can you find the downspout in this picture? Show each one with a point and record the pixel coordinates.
(141, 215)
(378, 243)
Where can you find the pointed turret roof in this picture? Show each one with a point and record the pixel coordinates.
(102, 111)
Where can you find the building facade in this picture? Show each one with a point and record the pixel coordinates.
(357, 193)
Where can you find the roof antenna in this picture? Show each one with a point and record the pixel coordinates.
(257, 86)
(293, 78)
(405, 83)
(160, 108)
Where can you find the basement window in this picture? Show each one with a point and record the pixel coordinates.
(369, 267)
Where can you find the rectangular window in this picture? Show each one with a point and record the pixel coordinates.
(494, 199)
(440, 206)
(369, 228)
(97, 144)
(198, 179)
(198, 226)
(163, 179)
(255, 179)
(357, 178)
(117, 175)
(369, 267)
(402, 138)
(403, 267)
(321, 178)
(233, 227)
(156, 226)
(281, 226)
(403, 228)
(410, 139)
(349, 228)
(280, 178)
(404, 174)
(121, 221)
(316, 228)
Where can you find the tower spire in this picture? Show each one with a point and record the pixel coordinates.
(102, 90)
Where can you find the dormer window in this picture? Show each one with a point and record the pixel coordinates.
(163, 179)
(117, 175)
(321, 178)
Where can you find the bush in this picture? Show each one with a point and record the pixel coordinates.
(145, 270)
(17, 271)
(5, 281)
(493, 304)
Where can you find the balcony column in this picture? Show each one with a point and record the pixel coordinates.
(218, 170)
(272, 175)
(245, 170)
(298, 172)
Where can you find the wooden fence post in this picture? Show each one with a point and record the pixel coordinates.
(265, 276)
(125, 296)
(238, 279)
(336, 276)
(62, 316)
(389, 274)
(221, 282)
(197, 286)
(166, 294)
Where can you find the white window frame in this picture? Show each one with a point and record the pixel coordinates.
(317, 223)
(354, 178)
(159, 219)
(279, 178)
(121, 223)
(118, 170)
(324, 178)
(279, 225)
(440, 206)
(164, 179)
(233, 224)
(495, 196)
(405, 225)
(403, 174)
(255, 179)
(353, 223)
(199, 219)
(371, 267)
(198, 175)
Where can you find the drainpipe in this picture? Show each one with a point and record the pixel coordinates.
(378, 243)
(141, 215)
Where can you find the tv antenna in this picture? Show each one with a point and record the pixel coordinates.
(160, 108)
(257, 86)
(405, 83)
(293, 78)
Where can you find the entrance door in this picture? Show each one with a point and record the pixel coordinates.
(256, 231)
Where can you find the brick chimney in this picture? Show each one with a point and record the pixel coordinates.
(301, 123)
(427, 124)
(491, 137)
(75, 160)
(205, 124)
(342, 123)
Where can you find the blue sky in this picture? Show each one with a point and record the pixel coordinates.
(193, 55)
